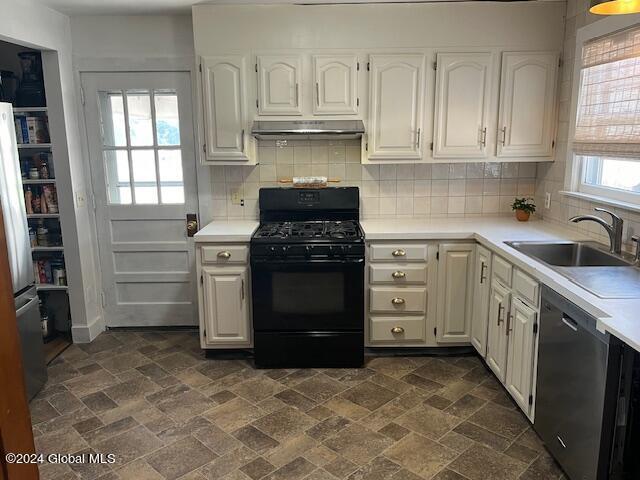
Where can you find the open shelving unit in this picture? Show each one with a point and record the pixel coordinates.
(54, 297)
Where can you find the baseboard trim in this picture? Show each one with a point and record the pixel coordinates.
(87, 333)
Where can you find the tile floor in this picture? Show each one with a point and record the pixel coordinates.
(167, 412)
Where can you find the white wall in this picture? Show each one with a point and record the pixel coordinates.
(30, 24)
(132, 36)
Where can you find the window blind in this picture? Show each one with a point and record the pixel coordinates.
(608, 117)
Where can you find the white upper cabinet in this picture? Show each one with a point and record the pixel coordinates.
(279, 84)
(335, 79)
(395, 109)
(463, 93)
(224, 105)
(527, 104)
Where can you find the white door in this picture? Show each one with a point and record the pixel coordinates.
(224, 106)
(279, 82)
(521, 353)
(225, 303)
(527, 104)
(455, 292)
(481, 292)
(395, 108)
(497, 332)
(463, 92)
(141, 141)
(336, 84)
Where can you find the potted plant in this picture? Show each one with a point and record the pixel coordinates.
(523, 207)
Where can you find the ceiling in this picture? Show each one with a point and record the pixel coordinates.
(155, 7)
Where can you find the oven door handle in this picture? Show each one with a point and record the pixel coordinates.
(271, 261)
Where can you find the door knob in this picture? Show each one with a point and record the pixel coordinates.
(192, 224)
(397, 330)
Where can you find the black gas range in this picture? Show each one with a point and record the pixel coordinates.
(307, 269)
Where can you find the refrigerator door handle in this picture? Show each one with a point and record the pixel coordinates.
(26, 306)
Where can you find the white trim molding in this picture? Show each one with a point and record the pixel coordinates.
(598, 199)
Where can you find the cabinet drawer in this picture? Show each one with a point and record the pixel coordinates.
(397, 329)
(398, 274)
(526, 288)
(397, 252)
(224, 254)
(501, 269)
(409, 299)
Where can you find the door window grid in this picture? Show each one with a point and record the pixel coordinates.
(154, 170)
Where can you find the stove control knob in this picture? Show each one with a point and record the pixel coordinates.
(307, 251)
(283, 251)
(331, 251)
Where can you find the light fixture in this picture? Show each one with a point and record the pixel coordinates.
(614, 7)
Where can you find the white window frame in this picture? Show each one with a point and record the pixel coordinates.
(573, 180)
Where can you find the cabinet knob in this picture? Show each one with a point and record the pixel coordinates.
(397, 301)
(225, 254)
(397, 330)
(398, 274)
(399, 253)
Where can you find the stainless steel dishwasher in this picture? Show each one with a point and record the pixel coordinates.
(577, 388)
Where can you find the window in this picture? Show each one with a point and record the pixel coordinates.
(607, 135)
(141, 147)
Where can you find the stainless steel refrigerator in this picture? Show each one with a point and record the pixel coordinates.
(20, 263)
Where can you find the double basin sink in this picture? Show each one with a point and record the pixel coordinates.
(588, 265)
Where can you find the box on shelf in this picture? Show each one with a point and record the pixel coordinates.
(31, 129)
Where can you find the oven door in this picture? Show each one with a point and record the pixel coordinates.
(290, 295)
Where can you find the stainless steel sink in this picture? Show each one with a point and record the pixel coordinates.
(588, 265)
(570, 254)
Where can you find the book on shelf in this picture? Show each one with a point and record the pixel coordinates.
(31, 129)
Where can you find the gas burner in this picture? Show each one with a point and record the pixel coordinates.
(324, 230)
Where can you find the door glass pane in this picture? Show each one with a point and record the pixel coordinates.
(144, 176)
(117, 170)
(171, 185)
(112, 111)
(167, 120)
(140, 123)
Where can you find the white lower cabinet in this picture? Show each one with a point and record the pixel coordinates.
(521, 328)
(225, 302)
(512, 332)
(400, 276)
(497, 330)
(455, 292)
(481, 292)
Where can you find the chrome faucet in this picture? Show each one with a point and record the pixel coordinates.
(614, 229)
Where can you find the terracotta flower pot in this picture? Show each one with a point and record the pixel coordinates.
(522, 216)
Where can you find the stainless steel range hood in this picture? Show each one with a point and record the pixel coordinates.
(307, 129)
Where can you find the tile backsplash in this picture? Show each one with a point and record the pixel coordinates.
(409, 190)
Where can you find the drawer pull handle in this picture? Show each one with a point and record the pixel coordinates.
(399, 253)
(226, 255)
(398, 274)
(397, 330)
(397, 301)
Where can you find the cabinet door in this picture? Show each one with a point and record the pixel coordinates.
(527, 104)
(225, 305)
(395, 109)
(223, 88)
(455, 292)
(497, 331)
(520, 329)
(335, 80)
(279, 79)
(463, 91)
(481, 292)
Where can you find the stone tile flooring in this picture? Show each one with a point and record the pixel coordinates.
(167, 412)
